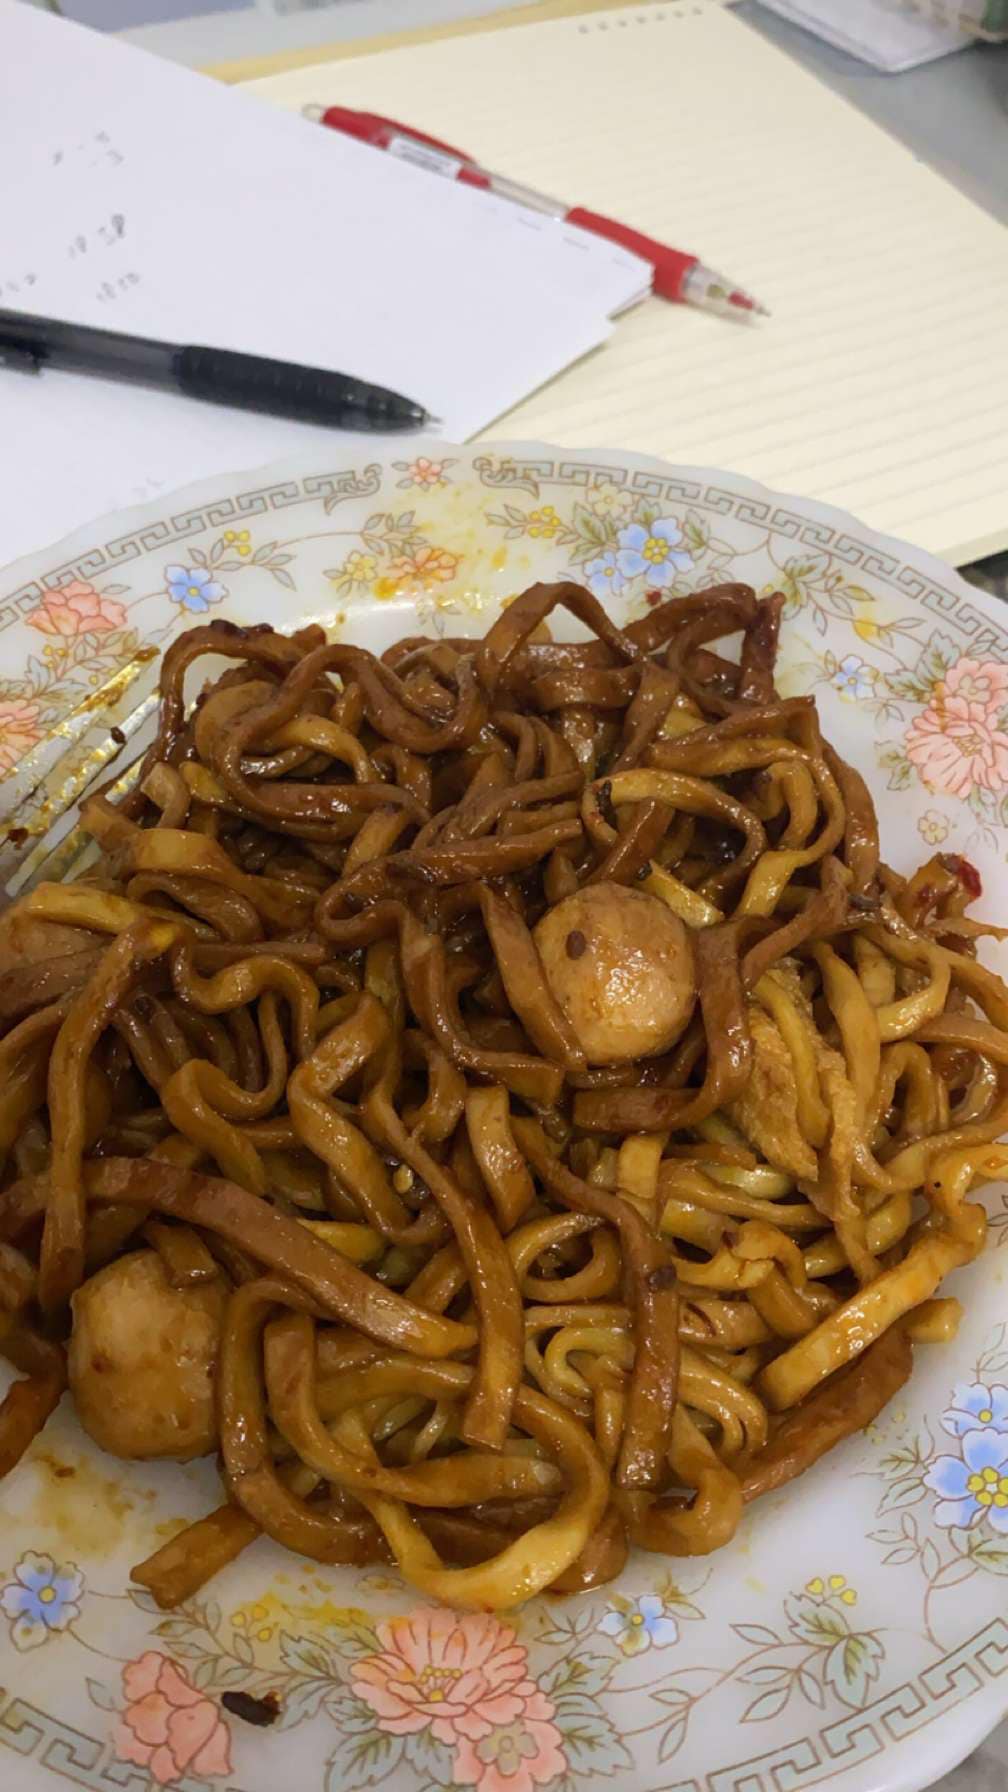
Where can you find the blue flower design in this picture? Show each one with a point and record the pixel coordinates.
(635, 1625)
(192, 587)
(853, 678)
(974, 1485)
(41, 1598)
(654, 550)
(974, 1406)
(605, 576)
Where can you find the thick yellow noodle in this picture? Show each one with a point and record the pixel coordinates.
(511, 1069)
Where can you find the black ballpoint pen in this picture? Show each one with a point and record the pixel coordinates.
(252, 382)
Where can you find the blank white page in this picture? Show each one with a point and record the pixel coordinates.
(142, 197)
(880, 382)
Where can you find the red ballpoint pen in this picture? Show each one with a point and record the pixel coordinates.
(676, 275)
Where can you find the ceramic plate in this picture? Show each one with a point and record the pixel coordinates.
(855, 1634)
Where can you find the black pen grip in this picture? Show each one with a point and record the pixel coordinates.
(285, 389)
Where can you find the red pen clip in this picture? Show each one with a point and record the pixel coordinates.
(385, 133)
(371, 127)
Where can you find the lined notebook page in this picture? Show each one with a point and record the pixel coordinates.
(880, 383)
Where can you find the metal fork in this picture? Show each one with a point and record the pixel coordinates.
(105, 736)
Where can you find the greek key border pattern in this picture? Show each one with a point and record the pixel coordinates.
(70, 1754)
(980, 633)
(859, 1736)
(219, 513)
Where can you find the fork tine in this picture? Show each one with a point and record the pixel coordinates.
(28, 785)
(45, 820)
(65, 847)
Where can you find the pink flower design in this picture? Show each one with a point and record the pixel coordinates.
(427, 567)
(19, 730)
(423, 471)
(76, 609)
(167, 1726)
(978, 681)
(957, 743)
(464, 1677)
(514, 1757)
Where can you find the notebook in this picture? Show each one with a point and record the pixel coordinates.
(880, 382)
(151, 200)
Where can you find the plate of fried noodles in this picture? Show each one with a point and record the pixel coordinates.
(501, 1085)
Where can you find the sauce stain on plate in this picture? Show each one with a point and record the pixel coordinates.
(78, 1510)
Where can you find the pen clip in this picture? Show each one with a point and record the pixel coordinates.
(19, 358)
